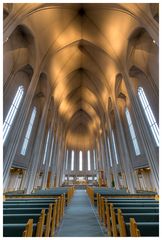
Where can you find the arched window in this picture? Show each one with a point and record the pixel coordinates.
(132, 132)
(28, 132)
(114, 145)
(149, 114)
(45, 152)
(72, 160)
(12, 112)
(89, 161)
(80, 161)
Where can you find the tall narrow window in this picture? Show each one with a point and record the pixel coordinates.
(89, 161)
(114, 144)
(132, 133)
(67, 160)
(72, 161)
(94, 158)
(28, 132)
(108, 142)
(12, 112)
(80, 161)
(52, 146)
(45, 152)
(149, 114)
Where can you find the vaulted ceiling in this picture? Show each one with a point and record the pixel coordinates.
(82, 48)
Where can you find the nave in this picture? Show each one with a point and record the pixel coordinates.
(80, 119)
(80, 219)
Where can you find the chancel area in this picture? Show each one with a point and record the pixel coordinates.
(80, 119)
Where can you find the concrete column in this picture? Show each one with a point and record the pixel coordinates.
(103, 157)
(16, 133)
(36, 154)
(66, 161)
(53, 160)
(47, 160)
(69, 163)
(99, 152)
(58, 158)
(36, 182)
(125, 158)
(114, 163)
(146, 176)
(56, 162)
(40, 167)
(114, 167)
(23, 176)
(12, 182)
(146, 138)
(96, 159)
(62, 163)
(85, 164)
(51, 150)
(24, 181)
(76, 161)
(92, 161)
(108, 168)
(62, 158)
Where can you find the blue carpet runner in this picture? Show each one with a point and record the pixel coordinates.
(79, 219)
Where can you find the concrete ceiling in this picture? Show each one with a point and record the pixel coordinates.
(83, 47)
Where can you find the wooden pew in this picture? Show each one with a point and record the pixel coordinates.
(142, 229)
(49, 218)
(107, 211)
(51, 213)
(48, 193)
(144, 220)
(113, 193)
(19, 230)
(135, 203)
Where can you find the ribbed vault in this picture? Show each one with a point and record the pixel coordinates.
(82, 47)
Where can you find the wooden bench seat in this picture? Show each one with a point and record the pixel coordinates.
(26, 205)
(141, 217)
(23, 210)
(139, 210)
(147, 229)
(16, 230)
(8, 201)
(136, 205)
(20, 218)
(136, 200)
(30, 196)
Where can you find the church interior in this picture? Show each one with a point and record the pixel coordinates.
(80, 119)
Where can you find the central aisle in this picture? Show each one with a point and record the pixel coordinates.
(80, 219)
